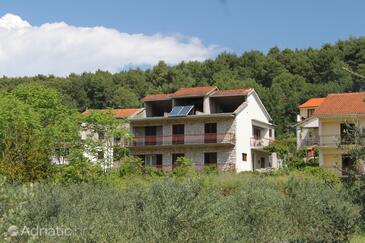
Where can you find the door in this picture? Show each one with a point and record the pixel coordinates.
(256, 133)
(262, 162)
(150, 136)
(210, 135)
(178, 131)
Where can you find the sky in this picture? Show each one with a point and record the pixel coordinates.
(60, 37)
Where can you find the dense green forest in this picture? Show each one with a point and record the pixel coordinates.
(283, 78)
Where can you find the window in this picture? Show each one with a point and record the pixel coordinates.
(154, 160)
(310, 112)
(100, 154)
(178, 131)
(270, 132)
(244, 157)
(210, 135)
(210, 159)
(175, 157)
(256, 132)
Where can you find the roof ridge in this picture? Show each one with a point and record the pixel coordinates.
(347, 93)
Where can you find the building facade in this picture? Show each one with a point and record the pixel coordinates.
(327, 128)
(104, 152)
(226, 129)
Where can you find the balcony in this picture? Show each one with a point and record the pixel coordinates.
(335, 140)
(260, 142)
(310, 141)
(181, 139)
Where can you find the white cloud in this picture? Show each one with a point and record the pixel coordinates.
(59, 48)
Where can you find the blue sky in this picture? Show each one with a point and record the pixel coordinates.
(232, 24)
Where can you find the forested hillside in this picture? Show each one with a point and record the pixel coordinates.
(283, 78)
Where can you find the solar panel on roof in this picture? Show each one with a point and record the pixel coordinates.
(186, 110)
(181, 110)
(176, 110)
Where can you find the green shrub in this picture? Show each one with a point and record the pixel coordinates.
(323, 174)
(131, 165)
(355, 184)
(79, 171)
(12, 206)
(184, 167)
(300, 208)
(151, 171)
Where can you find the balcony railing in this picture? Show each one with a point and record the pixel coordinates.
(327, 140)
(312, 141)
(335, 140)
(260, 142)
(206, 138)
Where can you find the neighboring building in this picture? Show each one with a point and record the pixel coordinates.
(106, 151)
(325, 125)
(307, 126)
(227, 129)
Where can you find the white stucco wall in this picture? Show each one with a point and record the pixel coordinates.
(253, 111)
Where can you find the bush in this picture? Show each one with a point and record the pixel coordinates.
(184, 167)
(256, 209)
(151, 171)
(323, 174)
(79, 171)
(130, 165)
(355, 184)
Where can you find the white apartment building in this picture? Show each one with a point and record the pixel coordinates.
(325, 124)
(227, 129)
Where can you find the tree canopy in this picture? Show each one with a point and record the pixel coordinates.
(282, 77)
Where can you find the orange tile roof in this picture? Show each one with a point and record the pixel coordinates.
(157, 97)
(194, 91)
(342, 103)
(197, 91)
(230, 92)
(118, 113)
(314, 102)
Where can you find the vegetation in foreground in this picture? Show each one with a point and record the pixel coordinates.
(203, 208)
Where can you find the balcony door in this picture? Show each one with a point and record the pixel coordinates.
(262, 162)
(256, 132)
(150, 135)
(178, 131)
(210, 135)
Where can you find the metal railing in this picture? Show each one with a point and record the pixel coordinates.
(312, 141)
(335, 140)
(327, 140)
(196, 166)
(260, 142)
(176, 139)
